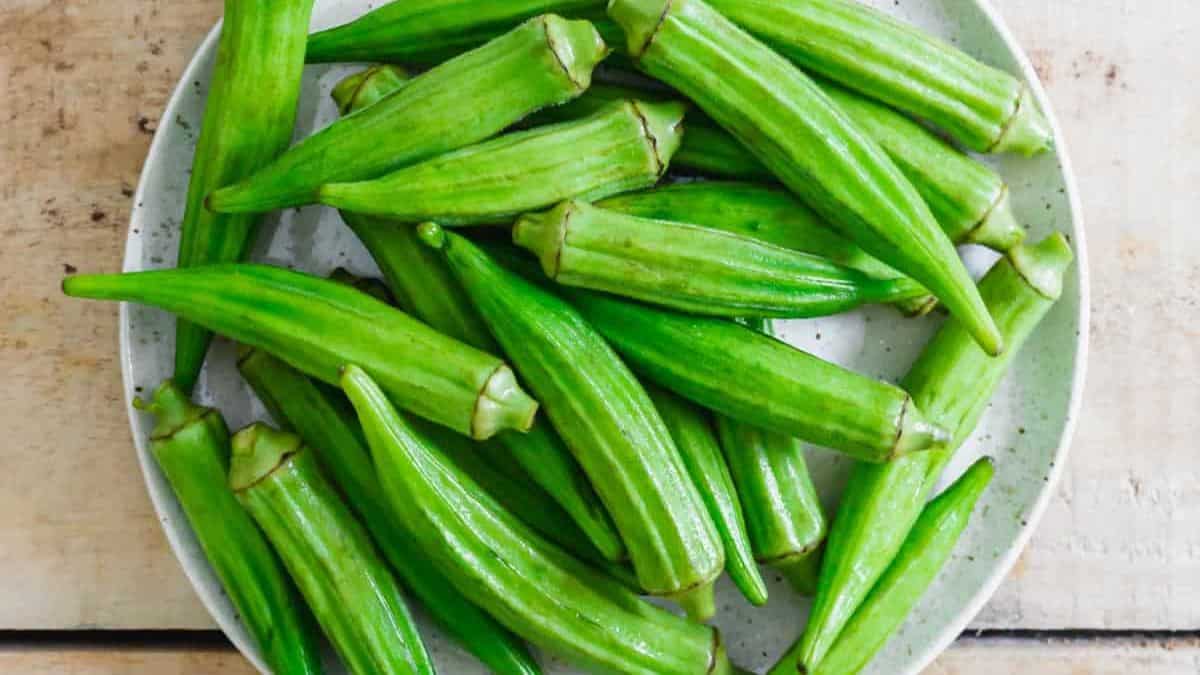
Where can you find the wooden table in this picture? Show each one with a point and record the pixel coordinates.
(1110, 584)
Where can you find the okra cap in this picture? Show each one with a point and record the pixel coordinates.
(172, 409)
(640, 20)
(915, 432)
(257, 451)
(662, 122)
(1027, 132)
(1044, 264)
(999, 229)
(544, 233)
(577, 46)
(366, 87)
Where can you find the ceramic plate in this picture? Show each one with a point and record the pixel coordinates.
(1027, 428)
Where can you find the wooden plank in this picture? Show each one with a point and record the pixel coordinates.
(65, 660)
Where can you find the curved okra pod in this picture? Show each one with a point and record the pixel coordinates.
(328, 553)
(326, 422)
(316, 325)
(952, 381)
(925, 551)
(606, 419)
(545, 61)
(248, 120)
(530, 585)
(694, 269)
(626, 145)
(797, 132)
(983, 108)
(191, 446)
(693, 433)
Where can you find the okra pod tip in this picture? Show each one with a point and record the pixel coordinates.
(257, 451)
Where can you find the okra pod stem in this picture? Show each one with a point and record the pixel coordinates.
(368, 87)
(326, 422)
(694, 269)
(952, 381)
(925, 551)
(982, 107)
(545, 61)
(626, 145)
(248, 119)
(191, 446)
(530, 585)
(798, 133)
(328, 553)
(606, 419)
(693, 433)
(317, 325)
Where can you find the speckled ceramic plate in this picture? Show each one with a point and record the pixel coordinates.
(1027, 428)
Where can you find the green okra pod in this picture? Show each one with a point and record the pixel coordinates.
(248, 119)
(191, 446)
(626, 145)
(982, 107)
(606, 419)
(693, 433)
(925, 551)
(425, 287)
(545, 61)
(527, 583)
(316, 325)
(952, 381)
(801, 135)
(368, 87)
(356, 600)
(695, 269)
(324, 419)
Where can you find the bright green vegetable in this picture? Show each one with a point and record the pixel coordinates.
(317, 325)
(326, 422)
(527, 583)
(627, 145)
(795, 130)
(248, 120)
(606, 419)
(952, 381)
(694, 269)
(191, 446)
(545, 61)
(983, 108)
(368, 87)
(328, 553)
(693, 433)
(372, 287)
(923, 555)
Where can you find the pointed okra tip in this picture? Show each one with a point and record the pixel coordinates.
(662, 122)
(172, 409)
(366, 87)
(1044, 265)
(543, 234)
(432, 235)
(257, 451)
(577, 45)
(640, 19)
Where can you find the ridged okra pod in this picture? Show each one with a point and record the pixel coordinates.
(530, 585)
(324, 419)
(317, 325)
(191, 446)
(627, 145)
(248, 120)
(801, 135)
(545, 61)
(425, 287)
(925, 551)
(694, 269)
(982, 107)
(352, 593)
(693, 433)
(952, 381)
(368, 87)
(429, 31)
(606, 419)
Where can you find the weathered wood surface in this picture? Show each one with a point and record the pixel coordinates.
(82, 86)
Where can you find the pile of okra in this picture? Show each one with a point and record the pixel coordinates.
(564, 396)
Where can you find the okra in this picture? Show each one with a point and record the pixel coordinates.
(356, 600)
(627, 145)
(191, 446)
(529, 584)
(545, 61)
(317, 325)
(694, 269)
(368, 87)
(923, 555)
(982, 107)
(327, 423)
(606, 419)
(952, 380)
(796, 131)
(693, 433)
(372, 287)
(248, 119)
